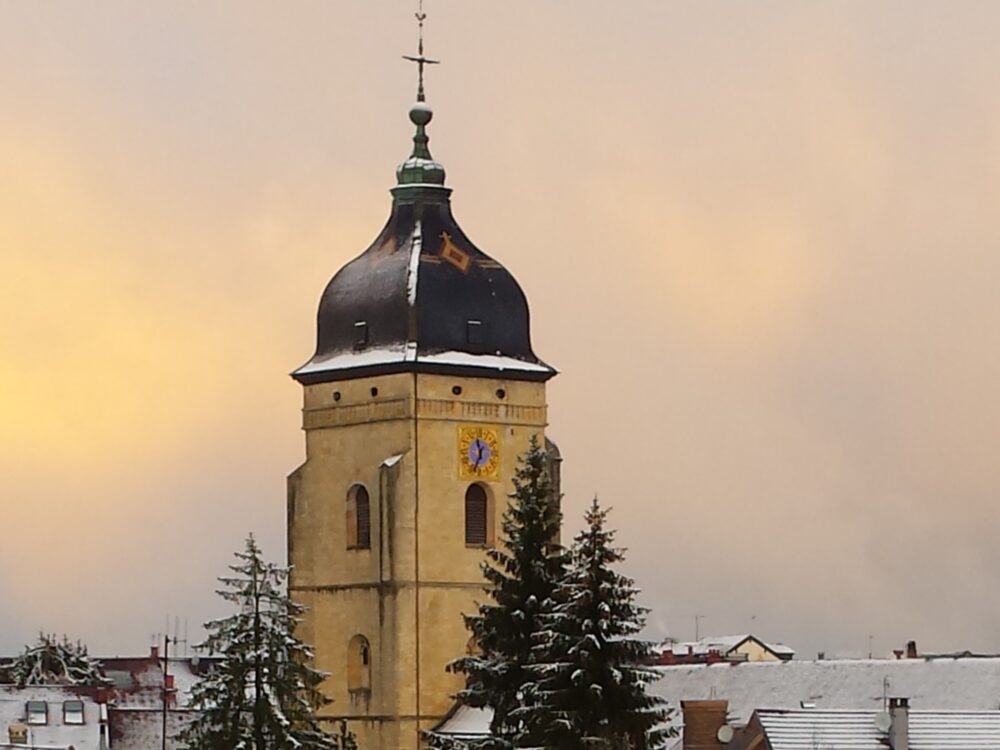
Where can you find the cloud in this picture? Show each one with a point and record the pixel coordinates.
(759, 242)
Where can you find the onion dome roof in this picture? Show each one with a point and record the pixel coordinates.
(423, 297)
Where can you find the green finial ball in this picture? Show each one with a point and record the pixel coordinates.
(421, 113)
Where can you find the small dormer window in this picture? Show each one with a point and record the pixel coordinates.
(38, 712)
(361, 334)
(474, 331)
(73, 712)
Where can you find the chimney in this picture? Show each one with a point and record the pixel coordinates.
(911, 649)
(154, 652)
(702, 721)
(899, 723)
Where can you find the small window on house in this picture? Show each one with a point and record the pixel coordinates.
(38, 712)
(476, 516)
(359, 518)
(474, 331)
(359, 664)
(360, 334)
(73, 712)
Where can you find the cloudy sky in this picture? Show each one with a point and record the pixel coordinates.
(761, 241)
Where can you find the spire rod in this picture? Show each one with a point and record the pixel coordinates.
(420, 60)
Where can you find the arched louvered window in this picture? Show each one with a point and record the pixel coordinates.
(359, 664)
(359, 518)
(477, 516)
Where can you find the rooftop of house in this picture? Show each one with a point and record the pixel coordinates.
(859, 730)
(136, 682)
(932, 684)
(69, 716)
(465, 722)
(861, 684)
(723, 645)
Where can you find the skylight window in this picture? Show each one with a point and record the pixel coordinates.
(38, 712)
(73, 712)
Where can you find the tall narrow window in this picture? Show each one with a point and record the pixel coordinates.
(364, 519)
(359, 518)
(476, 515)
(359, 664)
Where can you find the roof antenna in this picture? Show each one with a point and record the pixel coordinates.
(420, 60)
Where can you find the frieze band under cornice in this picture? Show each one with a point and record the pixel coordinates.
(391, 409)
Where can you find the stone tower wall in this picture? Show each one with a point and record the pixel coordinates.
(398, 436)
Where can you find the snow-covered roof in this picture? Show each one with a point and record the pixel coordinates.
(967, 685)
(466, 722)
(723, 644)
(928, 730)
(350, 360)
(422, 298)
(930, 684)
(138, 681)
(54, 733)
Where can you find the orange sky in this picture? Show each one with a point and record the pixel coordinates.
(760, 240)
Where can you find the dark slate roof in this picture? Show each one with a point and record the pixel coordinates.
(423, 297)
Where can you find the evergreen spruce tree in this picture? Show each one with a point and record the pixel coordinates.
(53, 662)
(521, 574)
(589, 679)
(262, 694)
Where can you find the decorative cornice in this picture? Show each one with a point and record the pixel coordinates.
(426, 408)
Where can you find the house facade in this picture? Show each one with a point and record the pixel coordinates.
(54, 717)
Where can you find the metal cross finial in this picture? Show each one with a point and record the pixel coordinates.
(420, 60)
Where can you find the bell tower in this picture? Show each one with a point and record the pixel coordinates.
(423, 391)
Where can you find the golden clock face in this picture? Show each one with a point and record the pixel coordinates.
(478, 452)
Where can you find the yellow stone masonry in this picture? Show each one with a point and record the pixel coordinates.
(385, 621)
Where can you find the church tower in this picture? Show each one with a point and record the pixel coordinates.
(423, 391)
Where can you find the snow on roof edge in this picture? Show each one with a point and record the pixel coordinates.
(407, 353)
